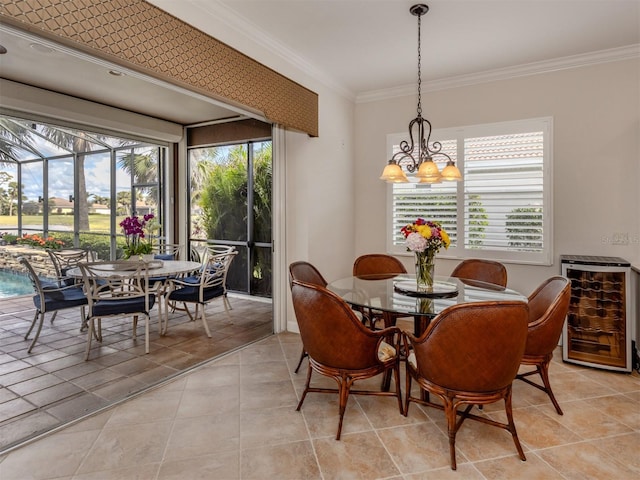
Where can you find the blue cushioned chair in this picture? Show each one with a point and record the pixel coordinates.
(200, 289)
(51, 297)
(167, 251)
(117, 289)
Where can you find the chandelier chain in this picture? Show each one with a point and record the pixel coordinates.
(419, 72)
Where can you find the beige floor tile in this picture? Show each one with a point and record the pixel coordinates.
(621, 407)
(213, 423)
(271, 426)
(384, 411)
(355, 456)
(220, 401)
(321, 413)
(587, 421)
(224, 465)
(136, 472)
(126, 446)
(55, 456)
(583, 461)
(195, 436)
(623, 448)
(415, 448)
(537, 429)
(154, 406)
(290, 461)
(512, 467)
(267, 395)
(466, 471)
(216, 375)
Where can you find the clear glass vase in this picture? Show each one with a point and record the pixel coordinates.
(425, 267)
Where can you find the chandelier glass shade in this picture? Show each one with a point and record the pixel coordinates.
(417, 154)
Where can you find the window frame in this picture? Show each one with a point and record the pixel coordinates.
(458, 252)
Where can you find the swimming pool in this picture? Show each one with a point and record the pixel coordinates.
(13, 284)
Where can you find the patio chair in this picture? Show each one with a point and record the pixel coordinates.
(65, 259)
(168, 251)
(469, 355)
(117, 289)
(68, 258)
(51, 297)
(200, 289)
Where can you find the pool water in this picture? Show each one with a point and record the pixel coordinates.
(13, 285)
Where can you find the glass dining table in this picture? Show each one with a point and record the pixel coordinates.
(396, 295)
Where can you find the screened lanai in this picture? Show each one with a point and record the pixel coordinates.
(76, 186)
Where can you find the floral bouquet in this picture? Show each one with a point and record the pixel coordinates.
(134, 231)
(425, 238)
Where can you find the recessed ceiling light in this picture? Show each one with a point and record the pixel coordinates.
(116, 73)
(38, 47)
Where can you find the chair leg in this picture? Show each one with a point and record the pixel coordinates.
(135, 327)
(225, 300)
(83, 314)
(543, 370)
(146, 334)
(407, 392)
(344, 386)
(512, 426)
(451, 413)
(302, 355)
(53, 317)
(37, 331)
(306, 388)
(204, 319)
(396, 373)
(33, 323)
(89, 335)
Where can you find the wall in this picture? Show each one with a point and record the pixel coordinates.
(320, 195)
(596, 164)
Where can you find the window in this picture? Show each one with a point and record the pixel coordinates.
(76, 185)
(502, 207)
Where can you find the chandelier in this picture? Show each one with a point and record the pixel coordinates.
(417, 156)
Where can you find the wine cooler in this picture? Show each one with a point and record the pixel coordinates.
(597, 331)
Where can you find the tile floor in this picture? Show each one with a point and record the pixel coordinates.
(235, 418)
(54, 384)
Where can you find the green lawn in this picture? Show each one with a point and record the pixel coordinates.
(97, 223)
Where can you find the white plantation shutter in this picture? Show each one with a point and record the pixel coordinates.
(502, 207)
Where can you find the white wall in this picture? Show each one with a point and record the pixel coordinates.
(596, 164)
(319, 171)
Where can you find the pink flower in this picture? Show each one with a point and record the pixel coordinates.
(416, 242)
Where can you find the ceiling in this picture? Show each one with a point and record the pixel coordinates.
(353, 46)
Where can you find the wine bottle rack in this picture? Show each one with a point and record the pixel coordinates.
(597, 329)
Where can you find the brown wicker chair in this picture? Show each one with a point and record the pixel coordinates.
(469, 355)
(377, 263)
(487, 271)
(307, 273)
(340, 347)
(376, 266)
(548, 306)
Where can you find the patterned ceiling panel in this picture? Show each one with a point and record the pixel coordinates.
(140, 36)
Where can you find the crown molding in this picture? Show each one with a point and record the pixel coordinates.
(254, 32)
(574, 61)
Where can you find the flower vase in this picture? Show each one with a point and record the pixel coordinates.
(425, 268)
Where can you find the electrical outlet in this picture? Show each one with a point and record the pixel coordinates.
(620, 238)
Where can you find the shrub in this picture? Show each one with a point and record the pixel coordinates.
(37, 241)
